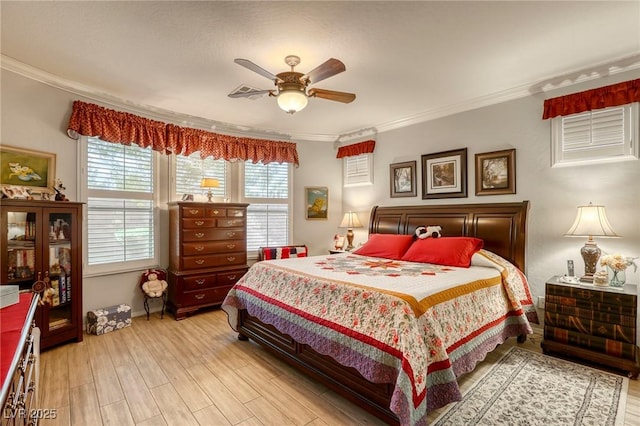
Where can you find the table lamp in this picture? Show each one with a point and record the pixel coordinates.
(209, 183)
(590, 222)
(350, 221)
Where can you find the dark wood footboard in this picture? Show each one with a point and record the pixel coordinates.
(346, 381)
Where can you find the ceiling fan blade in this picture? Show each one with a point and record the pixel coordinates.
(325, 70)
(256, 68)
(249, 93)
(332, 95)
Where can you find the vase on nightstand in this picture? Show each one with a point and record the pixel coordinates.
(617, 277)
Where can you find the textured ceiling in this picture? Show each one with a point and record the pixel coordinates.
(406, 61)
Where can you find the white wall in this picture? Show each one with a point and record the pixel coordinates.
(35, 115)
(554, 193)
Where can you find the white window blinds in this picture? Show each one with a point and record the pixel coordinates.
(120, 203)
(358, 170)
(266, 188)
(190, 170)
(608, 134)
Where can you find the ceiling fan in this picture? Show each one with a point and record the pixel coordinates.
(292, 88)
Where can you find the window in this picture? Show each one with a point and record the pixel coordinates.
(119, 188)
(358, 170)
(603, 135)
(267, 189)
(190, 170)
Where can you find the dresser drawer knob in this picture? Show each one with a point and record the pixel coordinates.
(194, 211)
(200, 234)
(199, 248)
(200, 282)
(231, 234)
(231, 277)
(216, 212)
(231, 258)
(230, 246)
(199, 222)
(199, 296)
(200, 261)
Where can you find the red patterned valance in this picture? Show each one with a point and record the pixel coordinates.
(603, 97)
(365, 147)
(121, 127)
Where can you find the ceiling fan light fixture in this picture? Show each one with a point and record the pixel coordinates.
(292, 100)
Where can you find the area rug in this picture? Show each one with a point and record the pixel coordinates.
(529, 388)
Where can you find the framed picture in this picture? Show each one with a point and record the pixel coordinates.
(444, 174)
(496, 172)
(403, 179)
(317, 199)
(33, 169)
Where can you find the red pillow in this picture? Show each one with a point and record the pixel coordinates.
(448, 251)
(388, 246)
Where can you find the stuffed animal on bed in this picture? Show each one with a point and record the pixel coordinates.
(423, 232)
(154, 287)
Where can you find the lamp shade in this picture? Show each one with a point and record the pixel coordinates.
(292, 100)
(591, 221)
(209, 183)
(350, 220)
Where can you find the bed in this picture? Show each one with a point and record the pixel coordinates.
(407, 320)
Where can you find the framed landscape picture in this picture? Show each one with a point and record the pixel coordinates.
(403, 179)
(496, 172)
(444, 174)
(317, 202)
(22, 167)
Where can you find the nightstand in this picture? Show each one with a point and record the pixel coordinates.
(592, 323)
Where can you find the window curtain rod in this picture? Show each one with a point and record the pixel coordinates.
(126, 128)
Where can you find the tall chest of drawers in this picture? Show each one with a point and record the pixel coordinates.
(207, 254)
(596, 324)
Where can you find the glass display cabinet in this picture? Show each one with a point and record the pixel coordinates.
(41, 250)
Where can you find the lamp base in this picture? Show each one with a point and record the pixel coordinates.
(349, 240)
(209, 196)
(590, 254)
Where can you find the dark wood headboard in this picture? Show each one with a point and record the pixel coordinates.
(502, 226)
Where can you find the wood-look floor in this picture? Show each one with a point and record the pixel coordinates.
(196, 372)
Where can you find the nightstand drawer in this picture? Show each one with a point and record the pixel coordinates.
(593, 343)
(607, 330)
(593, 295)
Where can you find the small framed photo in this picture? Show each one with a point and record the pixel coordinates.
(317, 202)
(444, 174)
(402, 179)
(496, 172)
(187, 197)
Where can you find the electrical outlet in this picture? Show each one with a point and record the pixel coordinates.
(541, 302)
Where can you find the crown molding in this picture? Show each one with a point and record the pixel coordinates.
(622, 64)
(604, 69)
(108, 100)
